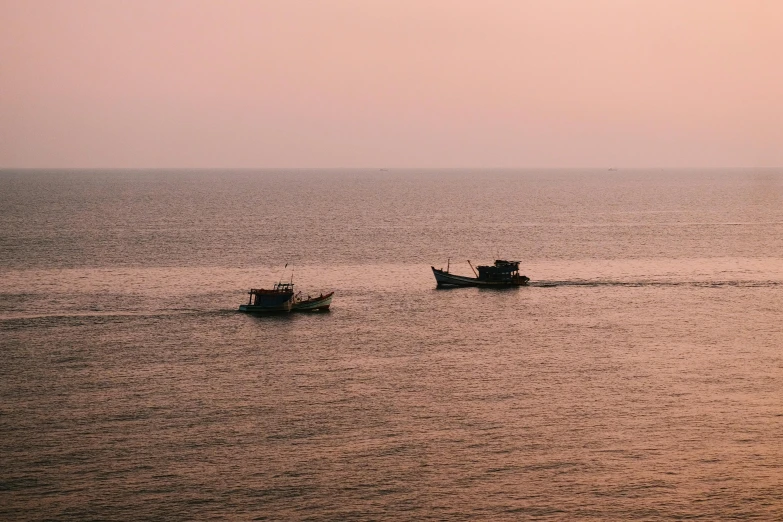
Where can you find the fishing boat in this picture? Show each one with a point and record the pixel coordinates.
(279, 299)
(312, 304)
(282, 298)
(501, 274)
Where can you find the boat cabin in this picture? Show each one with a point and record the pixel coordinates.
(280, 294)
(501, 271)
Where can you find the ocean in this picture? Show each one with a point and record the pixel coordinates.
(638, 376)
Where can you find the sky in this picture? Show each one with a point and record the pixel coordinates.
(391, 83)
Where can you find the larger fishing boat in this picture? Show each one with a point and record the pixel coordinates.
(501, 274)
(279, 299)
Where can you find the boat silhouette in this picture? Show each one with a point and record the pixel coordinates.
(502, 274)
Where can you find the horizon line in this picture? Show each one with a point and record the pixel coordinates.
(386, 169)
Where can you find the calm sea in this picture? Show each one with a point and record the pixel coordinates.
(639, 376)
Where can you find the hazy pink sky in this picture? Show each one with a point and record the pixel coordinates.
(397, 83)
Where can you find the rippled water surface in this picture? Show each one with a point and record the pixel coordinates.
(639, 376)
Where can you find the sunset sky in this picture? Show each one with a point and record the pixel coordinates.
(391, 83)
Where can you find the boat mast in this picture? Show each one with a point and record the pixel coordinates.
(282, 273)
(474, 270)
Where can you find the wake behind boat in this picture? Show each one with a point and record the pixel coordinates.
(501, 274)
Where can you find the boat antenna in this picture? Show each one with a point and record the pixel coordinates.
(448, 263)
(282, 272)
(292, 273)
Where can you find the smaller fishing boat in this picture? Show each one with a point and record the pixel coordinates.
(312, 304)
(282, 298)
(501, 274)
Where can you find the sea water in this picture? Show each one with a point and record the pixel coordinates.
(639, 376)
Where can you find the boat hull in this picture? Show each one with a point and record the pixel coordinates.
(320, 303)
(443, 278)
(255, 309)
